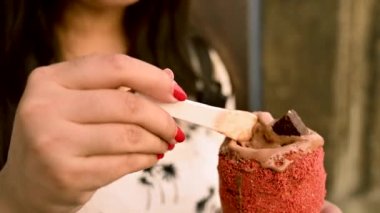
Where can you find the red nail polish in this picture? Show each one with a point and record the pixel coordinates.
(178, 93)
(160, 156)
(170, 146)
(180, 136)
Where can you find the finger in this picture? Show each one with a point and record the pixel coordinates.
(114, 106)
(101, 170)
(111, 139)
(113, 71)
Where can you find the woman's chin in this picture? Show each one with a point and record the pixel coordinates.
(110, 3)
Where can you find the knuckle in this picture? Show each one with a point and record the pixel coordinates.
(117, 61)
(32, 108)
(81, 198)
(133, 104)
(132, 134)
(39, 74)
(34, 101)
(66, 178)
(62, 178)
(31, 115)
(43, 144)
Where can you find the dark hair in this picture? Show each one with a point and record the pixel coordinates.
(157, 33)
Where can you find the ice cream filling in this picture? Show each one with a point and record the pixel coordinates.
(270, 149)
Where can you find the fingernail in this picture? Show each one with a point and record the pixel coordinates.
(160, 156)
(178, 93)
(180, 136)
(171, 146)
(169, 72)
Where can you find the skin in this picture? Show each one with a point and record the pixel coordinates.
(92, 27)
(69, 141)
(73, 131)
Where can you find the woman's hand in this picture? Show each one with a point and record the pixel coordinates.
(74, 132)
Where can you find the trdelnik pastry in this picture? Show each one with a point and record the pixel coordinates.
(279, 170)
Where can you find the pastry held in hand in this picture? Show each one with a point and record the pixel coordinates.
(234, 124)
(280, 169)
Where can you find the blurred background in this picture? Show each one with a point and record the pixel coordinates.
(321, 58)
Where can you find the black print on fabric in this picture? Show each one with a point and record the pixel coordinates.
(205, 204)
(154, 177)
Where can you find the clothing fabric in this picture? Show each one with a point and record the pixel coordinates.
(185, 180)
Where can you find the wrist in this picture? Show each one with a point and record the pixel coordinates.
(5, 195)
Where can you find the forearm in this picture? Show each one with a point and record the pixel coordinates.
(4, 206)
(5, 201)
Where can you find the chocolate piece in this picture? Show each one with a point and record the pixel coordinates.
(290, 124)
